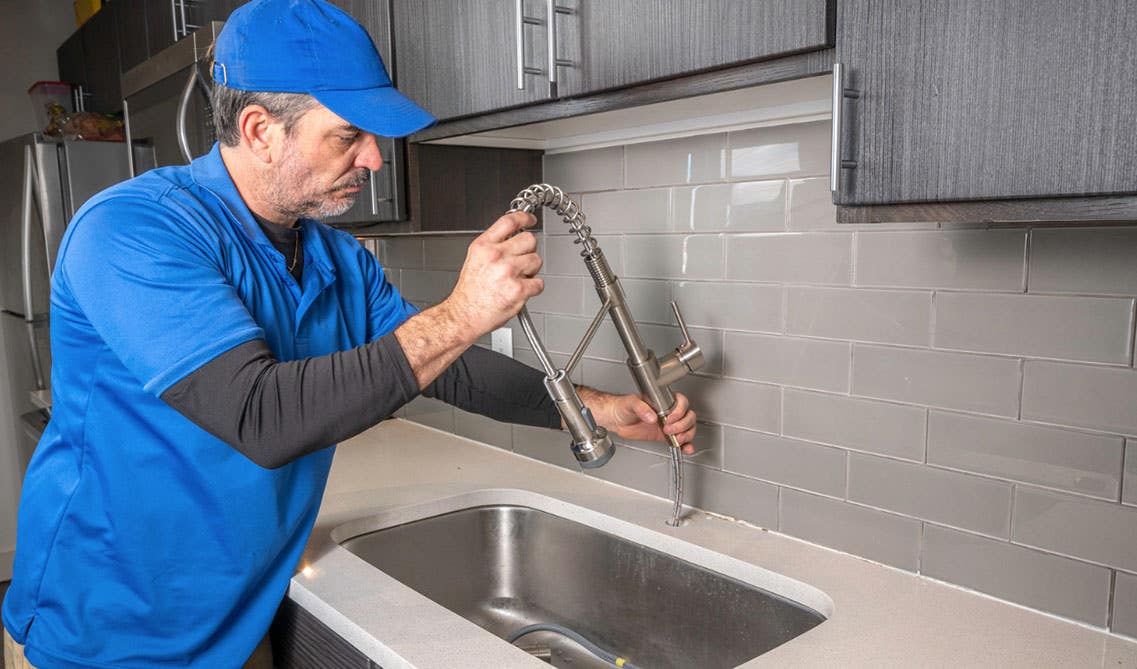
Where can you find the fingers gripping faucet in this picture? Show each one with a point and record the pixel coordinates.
(653, 375)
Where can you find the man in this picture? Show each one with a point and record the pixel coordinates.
(212, 341)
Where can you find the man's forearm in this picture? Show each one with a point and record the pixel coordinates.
(432, 340)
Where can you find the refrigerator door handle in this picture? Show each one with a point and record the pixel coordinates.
(28, 220)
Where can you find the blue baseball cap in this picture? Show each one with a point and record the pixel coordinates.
(310, 46)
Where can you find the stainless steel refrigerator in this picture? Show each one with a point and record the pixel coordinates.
(42, 183)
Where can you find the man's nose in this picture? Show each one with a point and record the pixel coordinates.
(369, 155)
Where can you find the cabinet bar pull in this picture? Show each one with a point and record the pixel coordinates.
(551, 31)
(836, 163)
(520, 26)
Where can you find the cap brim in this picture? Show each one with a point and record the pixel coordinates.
(382, 111)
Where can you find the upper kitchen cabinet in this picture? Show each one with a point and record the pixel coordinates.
(463, 57)
(90, 58)
(990, 111)
(146, 27)
(602, 45)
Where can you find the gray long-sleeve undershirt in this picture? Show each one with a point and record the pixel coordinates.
(275, 412)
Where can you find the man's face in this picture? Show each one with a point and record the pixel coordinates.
(324, 165)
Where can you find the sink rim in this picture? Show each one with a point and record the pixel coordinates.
(750, 574)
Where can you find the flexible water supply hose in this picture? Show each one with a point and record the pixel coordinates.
(606, 655)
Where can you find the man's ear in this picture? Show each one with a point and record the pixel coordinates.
(260, 133)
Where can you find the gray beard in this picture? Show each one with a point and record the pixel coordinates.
(290, 193)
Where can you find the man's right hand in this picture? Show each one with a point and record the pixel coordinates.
(499, 274)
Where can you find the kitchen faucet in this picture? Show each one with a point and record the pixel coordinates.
(653, 375)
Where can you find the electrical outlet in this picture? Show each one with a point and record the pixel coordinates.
(501, 340)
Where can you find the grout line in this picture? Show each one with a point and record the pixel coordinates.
(1026, 260)
(932, 320)
(920, 549)
(1109, 613)
(849, 379)
(1011, 516)
(779, 520)
(1022, 387)
(927, 431)
(1121, 486)
(848, 475)
(1132, 331)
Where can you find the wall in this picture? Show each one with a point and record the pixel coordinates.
(29, 34)
(950, 400)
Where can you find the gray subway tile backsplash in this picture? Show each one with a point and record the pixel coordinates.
(581, 171)
(562, 295)
(1080, 462)
(796, 150)
(1048, 582)
(728, 494)
(648, 472)
(791, 462)
(1082, 528)
(1125, 604)
(756, 406)
(778, 258)
(1069, 328)
(483, 429)
(674, 256)
(883, 316)
(750, 206)
(1094, 397)
(788, 361)
(737, 306)
(876, 535)
(1094, 261)
(955, 259)
(551, 446)
(984, 384)
(618, 211)
(951, 498)
(895, 430)
(688, 160)
(936, 371)
(1129, 482)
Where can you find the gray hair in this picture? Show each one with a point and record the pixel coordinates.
(228, 103)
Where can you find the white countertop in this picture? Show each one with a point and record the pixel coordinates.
(878, 616)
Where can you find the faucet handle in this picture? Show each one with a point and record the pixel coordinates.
(682, 326)
(688, 352)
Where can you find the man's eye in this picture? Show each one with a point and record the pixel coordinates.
(348, 139)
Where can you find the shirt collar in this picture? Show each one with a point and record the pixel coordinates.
(209, 172)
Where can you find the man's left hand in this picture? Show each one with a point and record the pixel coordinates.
(630, 417)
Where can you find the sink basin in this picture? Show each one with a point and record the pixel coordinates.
(506, 566)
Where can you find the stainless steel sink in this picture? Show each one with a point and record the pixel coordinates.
(505, 566)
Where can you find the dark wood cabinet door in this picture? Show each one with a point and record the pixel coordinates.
(613, 44)
(460, 57)
(101, 60)
(133, 43)
(966, 100)
(163, 24)
(69, 57)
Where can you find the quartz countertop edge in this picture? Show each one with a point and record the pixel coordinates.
(878, 616)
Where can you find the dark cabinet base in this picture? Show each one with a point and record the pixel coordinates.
(1106, 209)
(300, 641)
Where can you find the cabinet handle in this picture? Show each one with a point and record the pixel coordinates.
(129, 142)
(520, 46)
(836, 163)
(551, 32)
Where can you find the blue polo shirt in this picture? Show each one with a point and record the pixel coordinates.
(143, 541)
